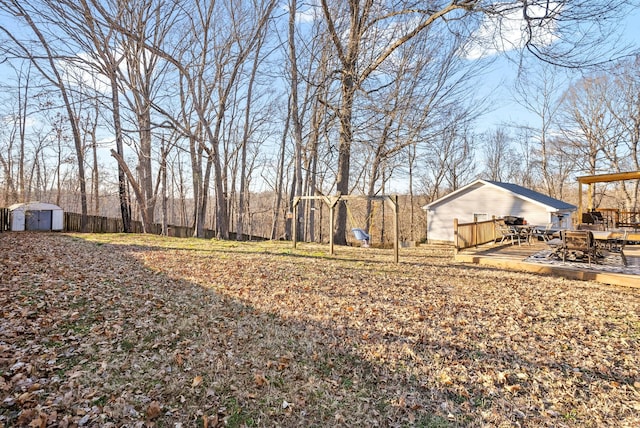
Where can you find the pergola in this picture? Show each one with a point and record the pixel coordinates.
(601, 178)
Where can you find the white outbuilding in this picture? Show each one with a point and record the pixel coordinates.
(484, 200)
(35, 216)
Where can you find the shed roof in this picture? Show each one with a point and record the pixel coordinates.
(516, 190)
(34, 206)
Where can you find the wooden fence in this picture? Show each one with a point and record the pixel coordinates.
(98, 224)
(467, 235)
(4, 219)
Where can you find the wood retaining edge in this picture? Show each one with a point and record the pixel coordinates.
(561, 271)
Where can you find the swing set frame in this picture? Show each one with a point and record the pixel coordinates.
(332, 201)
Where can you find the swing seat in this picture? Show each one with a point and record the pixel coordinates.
(361, 235)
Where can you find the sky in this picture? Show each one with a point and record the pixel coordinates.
(500, 80)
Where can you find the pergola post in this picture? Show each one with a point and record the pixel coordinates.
(579, 219)
(294, 221)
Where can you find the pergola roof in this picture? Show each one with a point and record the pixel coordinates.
(602, 178)
(605, 178)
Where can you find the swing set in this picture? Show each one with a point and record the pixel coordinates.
(332, 201)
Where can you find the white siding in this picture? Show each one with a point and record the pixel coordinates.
(57, 220)
(17, 220)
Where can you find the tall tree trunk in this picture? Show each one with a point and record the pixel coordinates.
(163, 179)
(196, 152)
(295, 118)
(280, 177)
(123, 194)
(242, 209)
(22, 105)
(344, 151)
(147, 204)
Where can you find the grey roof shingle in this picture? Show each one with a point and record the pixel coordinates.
(533, 195)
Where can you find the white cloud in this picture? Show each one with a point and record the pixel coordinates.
(306, 16)
(84, 75)
(307, 13)
(510, 30)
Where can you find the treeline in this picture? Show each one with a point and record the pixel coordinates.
(378, 221)
(222, 112)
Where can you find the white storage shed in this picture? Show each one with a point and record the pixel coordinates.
(35, 216)
(483, 200)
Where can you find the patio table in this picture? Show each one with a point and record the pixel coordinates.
(546, 233)
(602, 235)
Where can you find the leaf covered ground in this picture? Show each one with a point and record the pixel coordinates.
(132, 330)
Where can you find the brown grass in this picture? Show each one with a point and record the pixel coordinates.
(117, 330)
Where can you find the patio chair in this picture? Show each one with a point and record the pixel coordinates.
(508, 233)
(574, 241)
(617, 243)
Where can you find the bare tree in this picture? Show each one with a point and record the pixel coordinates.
(238, 40)
(449, 159)
(12, 151)
(624, 105)
(539, 94)
(99, 39)
(351, 26)
(501, 161)
(587, 124)
(411, 100)
(279, 179)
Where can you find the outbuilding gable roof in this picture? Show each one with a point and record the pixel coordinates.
(34, 206)
(516, 190)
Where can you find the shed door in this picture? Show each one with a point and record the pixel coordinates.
(38, 220)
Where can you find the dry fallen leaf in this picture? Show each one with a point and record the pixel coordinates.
(179, 360)
(513, 388)
(259, 379)
(39, 422)
(196, 381)
(153, 410)
(27, 416)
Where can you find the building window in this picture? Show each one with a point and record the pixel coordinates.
(480, 217)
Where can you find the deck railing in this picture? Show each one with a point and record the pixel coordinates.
(467, 235)
(629, 219)
(613, 217)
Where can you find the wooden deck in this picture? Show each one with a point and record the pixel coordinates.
(512, 257)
